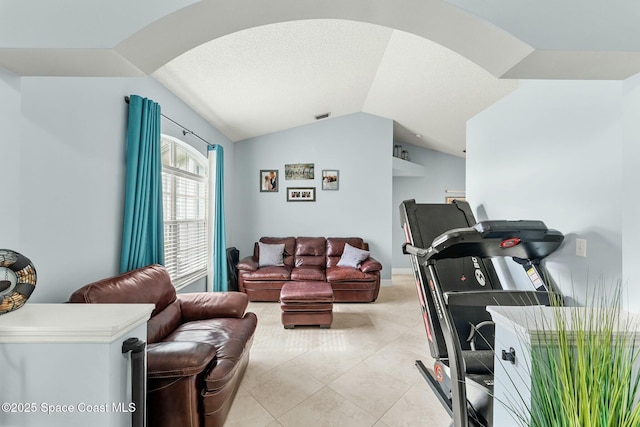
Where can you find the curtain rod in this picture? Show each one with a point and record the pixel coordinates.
(185, 131)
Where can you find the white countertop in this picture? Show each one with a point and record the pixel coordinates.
(539, 321)
(65, 323)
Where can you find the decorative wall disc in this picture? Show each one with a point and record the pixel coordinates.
(17, 280)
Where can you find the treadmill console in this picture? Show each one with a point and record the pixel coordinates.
(502, 238)
(505, 228)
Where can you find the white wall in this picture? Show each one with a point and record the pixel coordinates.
(553, 151)
(69, 136)
(358, 146)
(442, 172)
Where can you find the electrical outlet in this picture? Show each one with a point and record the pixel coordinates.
(581, 247)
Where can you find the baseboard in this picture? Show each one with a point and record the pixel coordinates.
(402, 270)
(385, 282)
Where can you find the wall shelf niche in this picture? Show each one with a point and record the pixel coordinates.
(407, 169)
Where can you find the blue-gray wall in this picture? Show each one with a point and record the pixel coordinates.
(10, 147)
(358, 145)
(630, 202)
(555, 151)
(564, 152)
(63, 157)
(441, 172)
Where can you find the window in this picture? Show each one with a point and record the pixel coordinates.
(184, 198)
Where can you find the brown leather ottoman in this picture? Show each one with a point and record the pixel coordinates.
(306, 303)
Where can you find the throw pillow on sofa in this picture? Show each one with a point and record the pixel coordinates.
(352, 257)
(270, 254)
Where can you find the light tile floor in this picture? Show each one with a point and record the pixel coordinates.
(361, 372)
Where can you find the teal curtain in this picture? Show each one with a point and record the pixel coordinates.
(143, 233)
(219, 252)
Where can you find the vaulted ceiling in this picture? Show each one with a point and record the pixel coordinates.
(252, 68)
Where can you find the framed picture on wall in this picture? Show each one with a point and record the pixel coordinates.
(299, 171)
(451, 199)
(330, 179)
(301, 194)
(268, 180)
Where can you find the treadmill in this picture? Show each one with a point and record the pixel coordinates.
(455, 279)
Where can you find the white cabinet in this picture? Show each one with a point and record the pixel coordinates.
(62, 364)
(512, 380)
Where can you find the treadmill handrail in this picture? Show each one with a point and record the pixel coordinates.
(483, 298)
(409, 249)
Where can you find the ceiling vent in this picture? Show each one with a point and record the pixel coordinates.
(322, 116)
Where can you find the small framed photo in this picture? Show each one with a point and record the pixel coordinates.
(451, 199)
(330, 179)
(301, 194)
(268, 180)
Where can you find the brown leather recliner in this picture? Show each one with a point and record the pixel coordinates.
(198, 345)
(311, 259)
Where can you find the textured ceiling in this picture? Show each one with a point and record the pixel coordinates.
(257, 67)
(279, 76)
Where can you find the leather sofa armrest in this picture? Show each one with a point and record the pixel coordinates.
(212, 305)
(370, 265)
(171, 359)
(249, 263)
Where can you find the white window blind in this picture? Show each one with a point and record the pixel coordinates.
(184, 187)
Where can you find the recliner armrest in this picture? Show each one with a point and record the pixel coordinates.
(370, 265)
(171, 359)
(249, 263)
(211, 305)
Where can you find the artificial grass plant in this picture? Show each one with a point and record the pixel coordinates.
(582, 368)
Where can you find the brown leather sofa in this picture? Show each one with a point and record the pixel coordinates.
(197, 345)
(310, 258)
